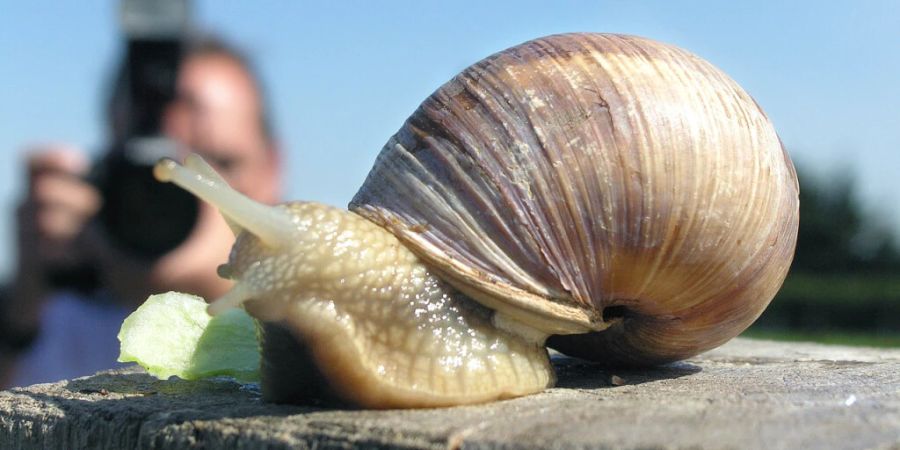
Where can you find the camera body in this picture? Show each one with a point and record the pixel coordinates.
(142, 217)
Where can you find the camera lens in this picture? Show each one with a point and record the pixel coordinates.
(142, 216)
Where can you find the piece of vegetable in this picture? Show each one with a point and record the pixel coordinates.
(171, 334)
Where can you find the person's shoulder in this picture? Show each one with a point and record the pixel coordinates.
(94, 306)
(78, 337)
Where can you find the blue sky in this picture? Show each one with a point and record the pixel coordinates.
(343, 76)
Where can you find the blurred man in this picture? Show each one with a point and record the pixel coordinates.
(219, 113)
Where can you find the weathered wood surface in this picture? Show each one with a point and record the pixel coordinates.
(747, 394)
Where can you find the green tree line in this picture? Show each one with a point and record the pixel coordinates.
(837, 234)
(844, 284)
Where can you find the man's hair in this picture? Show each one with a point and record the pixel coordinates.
(212, 45)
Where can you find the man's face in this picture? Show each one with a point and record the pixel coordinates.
(216, 114)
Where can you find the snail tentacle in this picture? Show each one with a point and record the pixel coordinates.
(237, 295)
(272, 225)
(197, 163)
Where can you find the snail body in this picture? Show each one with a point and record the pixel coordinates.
(621, 197)
(374, 321)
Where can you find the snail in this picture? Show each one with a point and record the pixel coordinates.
(613, 197)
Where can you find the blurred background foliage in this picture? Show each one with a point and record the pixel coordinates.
(844, 284)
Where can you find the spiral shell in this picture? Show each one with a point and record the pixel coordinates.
(615, 189)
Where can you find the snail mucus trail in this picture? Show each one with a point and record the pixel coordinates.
(378, 325)
(620, 195)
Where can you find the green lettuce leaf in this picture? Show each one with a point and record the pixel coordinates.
(171, 334)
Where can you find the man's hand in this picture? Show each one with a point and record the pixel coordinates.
(52, 220)
(57, 208)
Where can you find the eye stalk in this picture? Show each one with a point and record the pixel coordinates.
(271, 225)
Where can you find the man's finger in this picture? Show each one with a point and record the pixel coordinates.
(66, 192)
(56, 158)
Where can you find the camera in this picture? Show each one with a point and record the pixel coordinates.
(141, 216)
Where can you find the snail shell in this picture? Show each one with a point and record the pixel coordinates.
(619, 194)
(593, 183)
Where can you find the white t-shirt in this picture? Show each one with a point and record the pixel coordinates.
(78, 338)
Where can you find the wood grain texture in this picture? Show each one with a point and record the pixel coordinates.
(746, 394)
